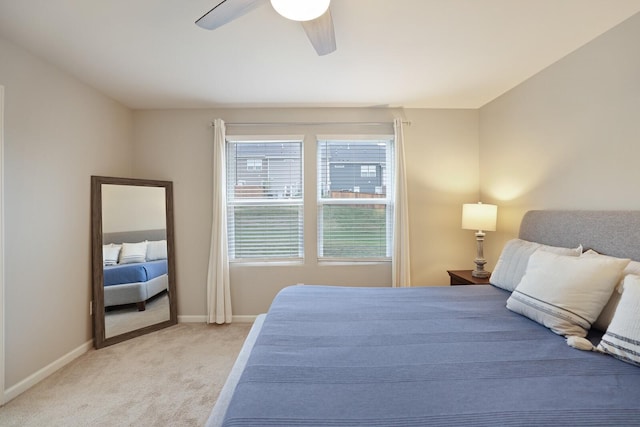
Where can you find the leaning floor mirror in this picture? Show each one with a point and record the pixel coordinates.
(134, 287)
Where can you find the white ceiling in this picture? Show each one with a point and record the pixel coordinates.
(411, 53)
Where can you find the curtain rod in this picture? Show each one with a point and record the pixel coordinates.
(408, 123)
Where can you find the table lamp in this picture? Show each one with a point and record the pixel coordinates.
(479, 217)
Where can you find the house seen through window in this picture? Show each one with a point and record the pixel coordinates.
(266, 202)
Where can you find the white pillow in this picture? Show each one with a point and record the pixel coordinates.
(133, 252)
(110, 254)
(622, 338)
(565, 293)
(156, 250)
(514, 258)
(603, 321)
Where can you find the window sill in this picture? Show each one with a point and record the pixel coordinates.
(334, 262)
(266, 263)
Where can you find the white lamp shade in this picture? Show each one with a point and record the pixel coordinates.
(301, 10)
(478, 216)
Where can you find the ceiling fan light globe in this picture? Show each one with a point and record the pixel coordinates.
(301, 10)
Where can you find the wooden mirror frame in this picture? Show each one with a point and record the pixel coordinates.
(99, 333)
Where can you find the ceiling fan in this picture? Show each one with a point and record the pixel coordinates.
(314, 15)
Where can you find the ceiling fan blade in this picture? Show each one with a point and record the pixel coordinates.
(226, 11)
(321, 33)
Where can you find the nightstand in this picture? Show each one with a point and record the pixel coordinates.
(464, 277)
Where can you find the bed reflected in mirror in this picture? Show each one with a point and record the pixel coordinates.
(133, 267)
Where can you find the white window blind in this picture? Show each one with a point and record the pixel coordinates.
(355, 199)
(264, 200)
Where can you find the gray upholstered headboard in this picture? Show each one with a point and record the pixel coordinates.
(134, 236)
(615, 233)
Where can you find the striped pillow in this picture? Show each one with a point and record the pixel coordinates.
(622, 339)
(110, 254)
(133, 252)
(603, 321)
(156, 250)
(564, 293)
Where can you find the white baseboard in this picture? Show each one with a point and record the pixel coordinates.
(203, 319)
(24, 385)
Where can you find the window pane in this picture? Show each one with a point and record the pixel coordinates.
(354, 231)
(348, 167)
(266, 232)
(350, 224)
(368, 171)
(264, 199)
(271, 170)
(254, 164)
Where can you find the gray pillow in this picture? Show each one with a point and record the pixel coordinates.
(514, 259)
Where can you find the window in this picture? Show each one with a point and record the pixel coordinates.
(355, 199)
(368, 171)
(264, 200)
(254, 164)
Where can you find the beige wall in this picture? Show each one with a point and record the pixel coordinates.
(568, 138)
(442, 169)
(133, 208)
(58, 132)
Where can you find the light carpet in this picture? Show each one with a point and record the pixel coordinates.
(127, 318)
(171, 377)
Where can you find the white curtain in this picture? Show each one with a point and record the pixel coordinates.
(218, 289)
(400, 264)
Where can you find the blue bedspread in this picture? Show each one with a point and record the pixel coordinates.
(133, 273)
(446, 356)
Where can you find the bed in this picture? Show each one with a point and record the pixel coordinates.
(134, 283)
(138, 281)
(446, 356)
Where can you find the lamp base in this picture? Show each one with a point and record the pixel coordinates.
(480, 274)
(479, 271)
